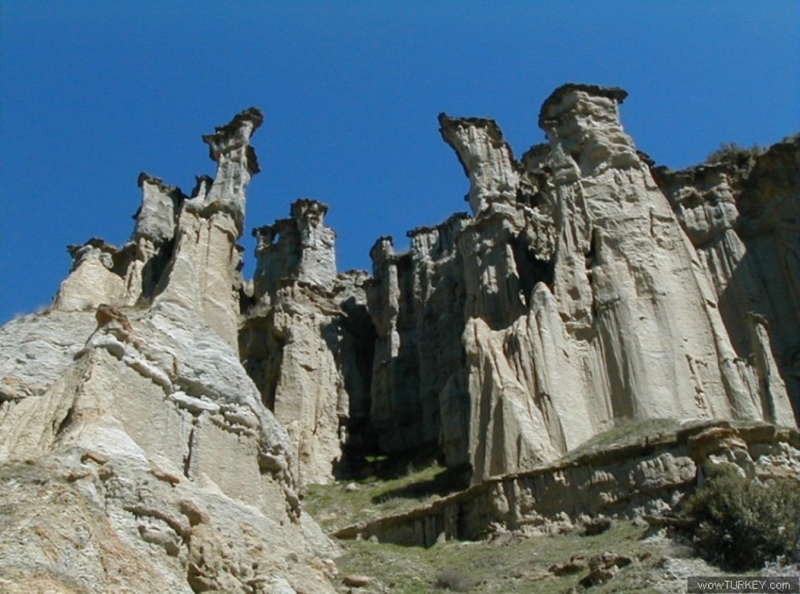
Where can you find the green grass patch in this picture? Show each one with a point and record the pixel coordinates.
(346, 502)
(625, 432)
(509, 564)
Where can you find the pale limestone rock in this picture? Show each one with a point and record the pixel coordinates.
(203, 274)
(301, 247)
(309, 397)
(631, 479)
(581, 301)
(157, 216)
(771, 388)
(93, 279)
(152, 239)
(183, 249)
(580, 294)
(36, 349)
(638, 292)
(305, 342)
(103, 274)
(318, 260)
(742, 218)
(416, 304)
(229, 146)
(172, 463)
(487, 159)
(169, 415)
(304, 355)
(638, 331)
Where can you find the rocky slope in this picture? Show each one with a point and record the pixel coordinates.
(175, 411)
(138, 455)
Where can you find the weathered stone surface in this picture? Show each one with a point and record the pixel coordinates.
(161, 435)
(587, 289)
(305, 352)
(306, 339)
(647, 476)
(487, 159)
(416, 302)
(743, 220)
(309, 396)
(301, 247)
(141, 421)
(152, 241)
(583, 300)
(183, 249)
(203, 273)
(229, 146)
(604, 567)
(95, 277)
(35, 350)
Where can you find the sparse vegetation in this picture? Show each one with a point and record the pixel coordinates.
(521, 562)
(625, 432)
(452, 580)
(742, 524)
(734, 154)
(386, 489)
(510, 563)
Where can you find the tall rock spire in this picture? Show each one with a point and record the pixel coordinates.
(203, 272)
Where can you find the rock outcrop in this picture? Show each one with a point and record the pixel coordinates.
(743, 219)
(303, 340)
(643, 477)
(177, 411)
(583, 300)
(127, 414)
(183, 248)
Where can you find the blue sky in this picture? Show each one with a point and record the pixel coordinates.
(92, 93)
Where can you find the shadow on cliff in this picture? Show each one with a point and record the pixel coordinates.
(764, 281)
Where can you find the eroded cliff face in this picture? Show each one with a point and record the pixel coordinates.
(742, 219)
(183, 407)
(126, 412)
(304, 339)
(183, 248)
(587, 294)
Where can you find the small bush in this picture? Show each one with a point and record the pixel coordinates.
(734, 154)
(450, 579)
(742, 524)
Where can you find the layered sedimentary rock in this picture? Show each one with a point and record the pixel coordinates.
(126, 411)
(301, 339)
(153, 439)
(416, 301)
(583, 300)
(300, 247)
(180, 410)
(743, 218)
(183, 248)
(644, 477)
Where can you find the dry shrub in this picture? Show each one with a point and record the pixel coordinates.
(743, 524)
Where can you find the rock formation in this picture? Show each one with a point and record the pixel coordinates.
(183, 249)
(572, 299)
(177, 411)
(127, 413)
(742, 219)
(302, 340)
(644, 477)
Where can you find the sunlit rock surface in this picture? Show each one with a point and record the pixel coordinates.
(176, 411)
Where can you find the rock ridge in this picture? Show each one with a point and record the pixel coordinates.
(587, 288)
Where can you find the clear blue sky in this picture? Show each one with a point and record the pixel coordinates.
(95, 92)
